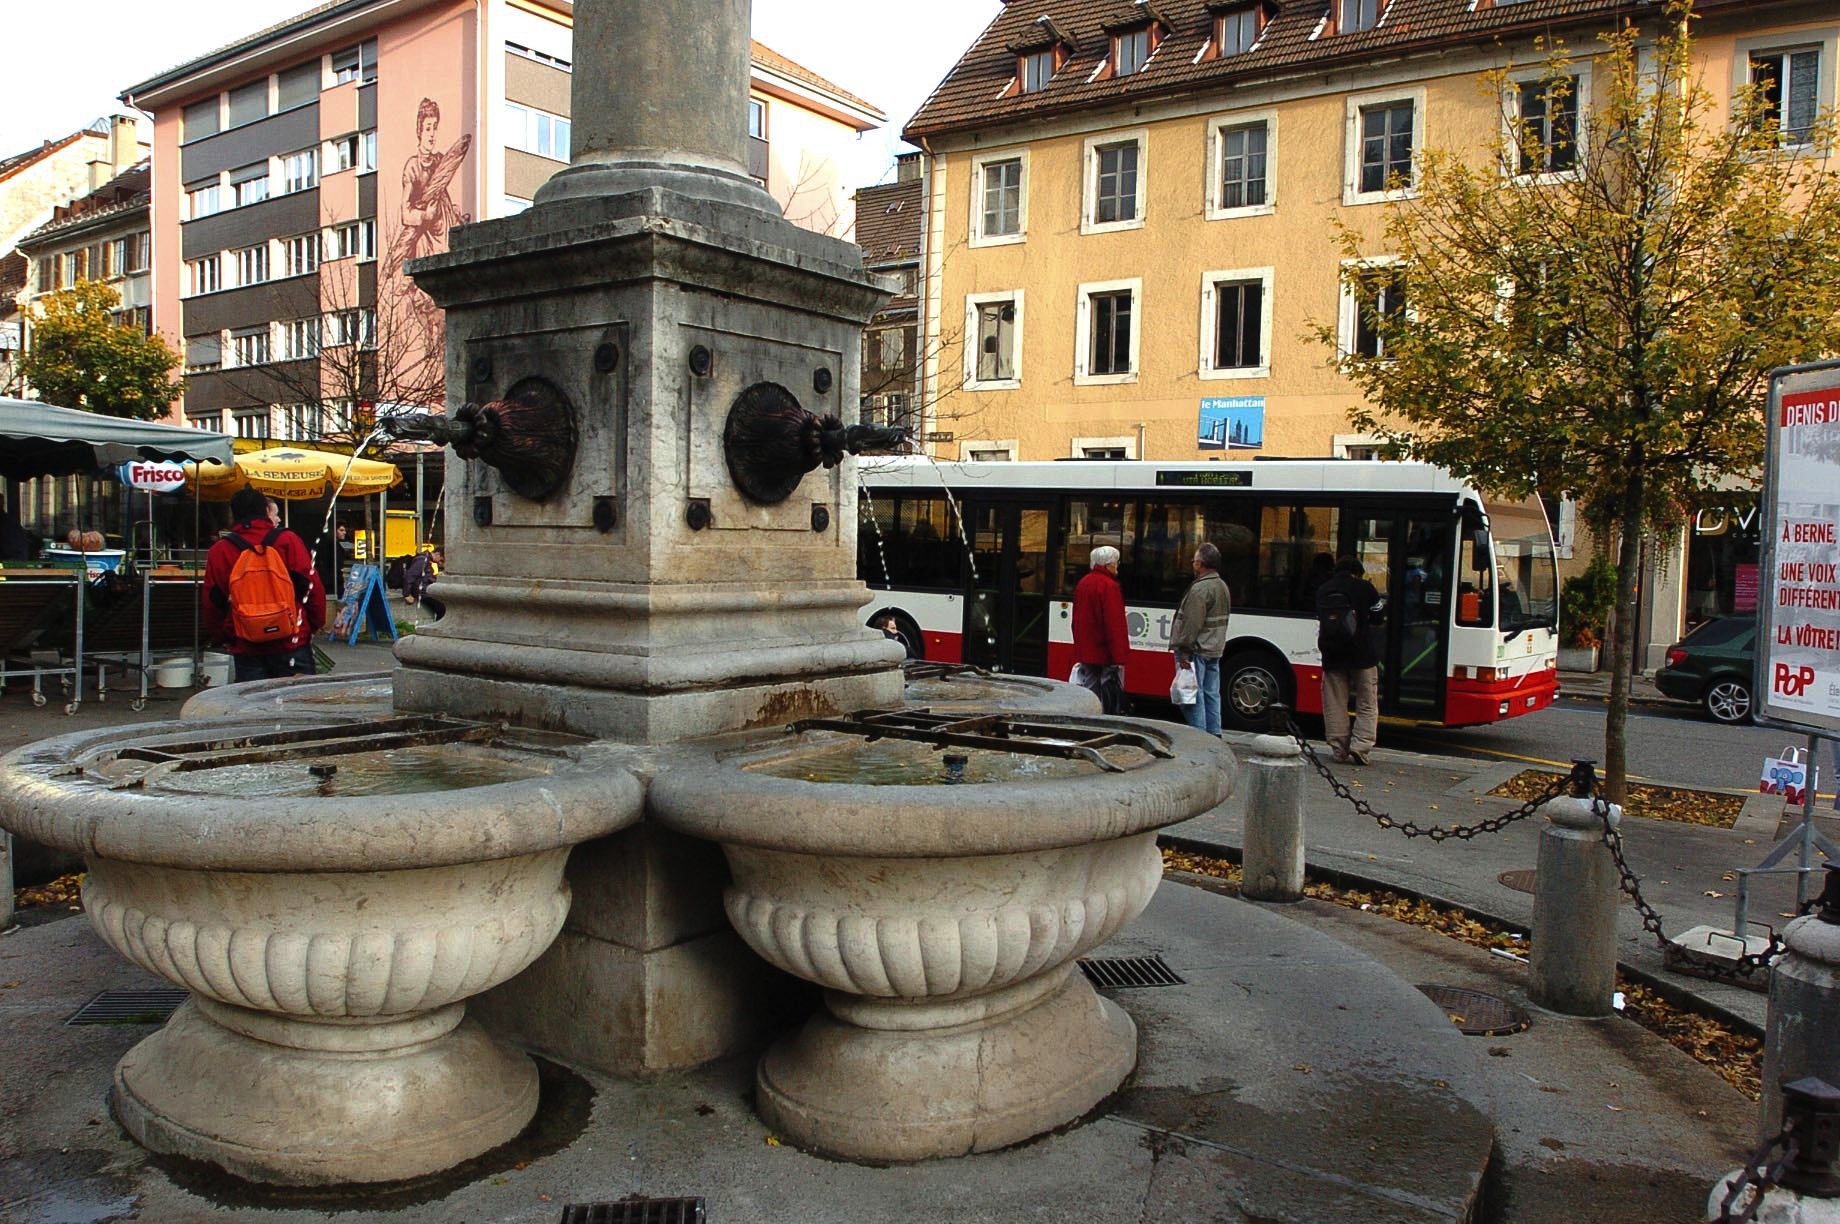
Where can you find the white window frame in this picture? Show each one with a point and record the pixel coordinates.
(978, 237)
(300, 338)
(309, 246)
(989, 450)
(205, 268)
(1348, 310)
(1082, 337)
(1341, 444)
(253, 264)
(1089, 190)
(1351, 145)
(520, 115)
(972, 302)
(216, 190)
(1125, 442)
(235, 347)
(1210, 317)
(1825, 39)
(1511, 122)
(366, 156)
(1217, 153)
(291, 179)
(339, 154)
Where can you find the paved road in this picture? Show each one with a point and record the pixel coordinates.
(1672, 745)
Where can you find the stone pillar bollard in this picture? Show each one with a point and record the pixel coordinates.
(1272, 862)
(1574, 912)
(6, 878)
(1802, 1031)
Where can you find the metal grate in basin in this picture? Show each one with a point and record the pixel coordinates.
(1123, 972)
(636, 1211)
(155, 1005)
(1476, 1014)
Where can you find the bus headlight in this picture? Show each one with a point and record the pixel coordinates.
(1503, 711)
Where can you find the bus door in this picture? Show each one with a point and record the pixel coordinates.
(1006, 611)
(1406, 554)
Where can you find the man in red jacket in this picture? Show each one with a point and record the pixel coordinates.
(287, 655)
(1101, 640)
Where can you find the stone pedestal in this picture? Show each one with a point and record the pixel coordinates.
(1573, 966)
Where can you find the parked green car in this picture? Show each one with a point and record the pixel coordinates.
(1713, 666)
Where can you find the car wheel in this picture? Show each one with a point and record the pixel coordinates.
(1728, 701)
(1251, 682)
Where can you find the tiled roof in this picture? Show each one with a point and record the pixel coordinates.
(12, 279)
(19, 161)
(127, 191)
(767, 57)
(889, 224)
(972, 94)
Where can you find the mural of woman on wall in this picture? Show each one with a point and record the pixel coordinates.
(428, 212)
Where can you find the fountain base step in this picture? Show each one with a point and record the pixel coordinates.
(881, 1095)
(270, 1113)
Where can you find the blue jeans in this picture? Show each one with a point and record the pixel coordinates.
(1204, 715)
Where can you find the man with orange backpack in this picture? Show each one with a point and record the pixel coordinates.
(262, 598)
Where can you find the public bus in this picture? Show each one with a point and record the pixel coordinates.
(976, 563)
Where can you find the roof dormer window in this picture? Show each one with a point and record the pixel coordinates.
(1041, 55)
(1238, 27)
(1135, 39)
(1353, 16)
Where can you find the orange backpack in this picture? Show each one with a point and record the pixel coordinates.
(263, 607)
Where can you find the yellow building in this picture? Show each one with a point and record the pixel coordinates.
(1131, 205)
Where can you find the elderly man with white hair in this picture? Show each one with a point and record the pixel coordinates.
(1101, 641)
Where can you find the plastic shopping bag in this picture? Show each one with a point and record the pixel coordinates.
(1787, 775)
(1186, 689)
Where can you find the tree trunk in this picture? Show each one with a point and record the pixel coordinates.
(1622, 644)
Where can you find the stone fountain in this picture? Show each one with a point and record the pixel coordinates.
(652, 572)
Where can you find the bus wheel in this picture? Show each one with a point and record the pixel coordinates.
(911, 637)
(1251, 682)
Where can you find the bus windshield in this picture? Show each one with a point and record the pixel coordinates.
(1526, 566)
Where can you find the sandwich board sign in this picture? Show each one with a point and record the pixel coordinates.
(1798, 627)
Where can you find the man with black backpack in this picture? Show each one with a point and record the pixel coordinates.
(262, 599)
(1345, 605)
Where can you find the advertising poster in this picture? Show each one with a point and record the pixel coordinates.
(1232, 422)
(1798, 659)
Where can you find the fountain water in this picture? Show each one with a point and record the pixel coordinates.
(652, 548)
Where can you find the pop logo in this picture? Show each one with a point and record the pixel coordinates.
(1792, 681)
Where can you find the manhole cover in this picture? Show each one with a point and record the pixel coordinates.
(1476, 1014)
(1118, 972)
(636, 1211)
(154, 1005)
(1519, 881)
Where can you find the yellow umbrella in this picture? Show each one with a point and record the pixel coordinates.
(294, 473)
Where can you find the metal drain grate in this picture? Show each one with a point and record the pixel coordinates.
(1519, 881)
(154, 1005)
(636, 1211)
(1123, 972)
(1476, 1014)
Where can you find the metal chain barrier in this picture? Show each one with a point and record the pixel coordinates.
(1436, 833)
(1761, 1171)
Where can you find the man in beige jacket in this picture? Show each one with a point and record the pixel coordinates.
(1199, 636)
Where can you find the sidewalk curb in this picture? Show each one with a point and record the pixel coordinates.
(1673, 992)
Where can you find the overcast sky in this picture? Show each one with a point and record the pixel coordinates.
(891, 52)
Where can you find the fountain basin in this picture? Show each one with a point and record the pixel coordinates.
(942, 922)
(329, 940)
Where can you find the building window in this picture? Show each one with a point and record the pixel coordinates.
(357, 63)
(990, 452)
(302, 422)
(249, 185)
(1037, 70)
(249, 103)
(252, 265)
(249, 346)
(1107, 340)
(1787, 85)
(115, 257)
(367, 151)
(1243, 175)
(353, 240)
(206, 275)
(297, 86)
(213, 421)
(76, 266)
(203, 199)
(1547, 126)
(345, 153)
(513, 205)
(1380, 144)
(999, 213)
(251, 423)
(539, 132)
(554, 61)
(1114, 183)
(302, 254)
(299, 171)
(203, 119)
(1236, 323)
(1237, 30)
(140, 253)
(203, 352)
(344, 327)
(1130, 52)
(1353, 16)
(993, 324)
(1372, 298)
(300, 339)
(757, 119)
(48, 274)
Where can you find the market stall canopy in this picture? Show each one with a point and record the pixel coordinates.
(43, 440)
(293, 474)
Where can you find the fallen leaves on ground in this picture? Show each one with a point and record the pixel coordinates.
(65, 890)
(1736, 1057)
(1655, 802)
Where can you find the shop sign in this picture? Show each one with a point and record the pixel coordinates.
(1798, 658)
(153, 477)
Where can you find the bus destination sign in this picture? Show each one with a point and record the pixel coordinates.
(1226, 478)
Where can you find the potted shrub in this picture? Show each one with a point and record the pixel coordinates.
(1584, 611)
